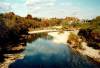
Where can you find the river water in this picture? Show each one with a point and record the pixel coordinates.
(46, 53)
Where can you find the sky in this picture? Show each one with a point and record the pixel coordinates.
(84, 9)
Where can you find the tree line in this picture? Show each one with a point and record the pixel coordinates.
(12, 26)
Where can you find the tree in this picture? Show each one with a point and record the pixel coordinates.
(29, 16)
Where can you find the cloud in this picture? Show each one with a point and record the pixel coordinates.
(66, 3)
(5, 7)
(51, 8)
(41, 8)
(38, 6)
(40, 2)
(48, 8)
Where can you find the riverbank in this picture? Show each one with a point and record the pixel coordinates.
(77, 44)
(61, 38)
(10, 58)
(93, 53)
(11, 54)
(89, 51)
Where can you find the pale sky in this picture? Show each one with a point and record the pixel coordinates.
(86, 9)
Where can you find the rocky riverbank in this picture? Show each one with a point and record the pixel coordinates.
(11, 54)
(10, 58)
(81, 45)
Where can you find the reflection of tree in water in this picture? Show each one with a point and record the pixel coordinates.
(34, 37)
(48, 37)
(22, 42)
(1, 58)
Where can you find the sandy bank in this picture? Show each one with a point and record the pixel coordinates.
(61, 37)
(86, 50)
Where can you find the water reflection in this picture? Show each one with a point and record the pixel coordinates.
(33, 37)
(43, 53)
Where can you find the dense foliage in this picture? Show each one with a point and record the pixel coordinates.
(13, 27)
(91, 32)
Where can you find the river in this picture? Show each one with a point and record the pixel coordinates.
(51, 51)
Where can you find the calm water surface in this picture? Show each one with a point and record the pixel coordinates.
(44, 53)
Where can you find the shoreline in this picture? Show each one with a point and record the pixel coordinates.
(10, 58)
(93, 54)
(81, 46)
(84, 50)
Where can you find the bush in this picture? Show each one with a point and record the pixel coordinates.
(73, 39)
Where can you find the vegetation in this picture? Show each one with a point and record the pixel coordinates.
(91, 32)
(14, 29)
(74, 40)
